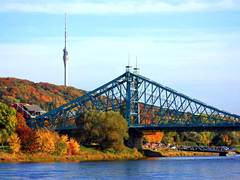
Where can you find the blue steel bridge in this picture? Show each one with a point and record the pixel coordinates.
(145, 104)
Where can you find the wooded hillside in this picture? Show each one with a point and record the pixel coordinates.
(48, 96)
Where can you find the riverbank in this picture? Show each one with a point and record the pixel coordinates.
(167, 152)
(85, 154)
(91, 154)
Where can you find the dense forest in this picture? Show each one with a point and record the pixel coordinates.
(47, 95)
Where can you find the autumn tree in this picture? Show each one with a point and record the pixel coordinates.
(23, 131)
(45, 140)
(14, 143)
(108, 129)
(7, 122)
(61, 145)
(154, 137)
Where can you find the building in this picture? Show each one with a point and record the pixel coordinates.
(28, 110)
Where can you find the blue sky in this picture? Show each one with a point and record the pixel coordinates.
(189, 45)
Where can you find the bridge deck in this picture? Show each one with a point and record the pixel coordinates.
(186, 127)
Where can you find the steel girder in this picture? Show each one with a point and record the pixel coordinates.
(144, 103)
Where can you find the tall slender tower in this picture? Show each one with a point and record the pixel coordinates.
(65, 53)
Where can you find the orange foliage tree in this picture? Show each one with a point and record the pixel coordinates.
(45, 140)
(154, 137)
(14, 143)
(24, 132)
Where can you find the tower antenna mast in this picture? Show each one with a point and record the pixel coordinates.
(136, 69)
(128, 67)
(65, 31)
(65, 52)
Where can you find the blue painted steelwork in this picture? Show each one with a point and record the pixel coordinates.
(147, 105)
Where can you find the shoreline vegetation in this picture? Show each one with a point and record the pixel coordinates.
(166, 152)
(93, 155)
(85, 154)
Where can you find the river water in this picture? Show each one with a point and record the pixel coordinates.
(204, 168)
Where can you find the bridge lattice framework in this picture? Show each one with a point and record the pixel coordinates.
(145, 104)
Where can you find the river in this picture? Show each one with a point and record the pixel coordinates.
(185, 168)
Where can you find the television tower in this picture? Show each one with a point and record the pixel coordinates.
(65, 54)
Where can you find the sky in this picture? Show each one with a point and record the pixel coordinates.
(192, 46)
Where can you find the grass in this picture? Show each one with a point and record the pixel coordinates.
(238, 149)
(5, 148)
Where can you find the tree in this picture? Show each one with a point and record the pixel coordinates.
(108, 129)
(225, 139)
(170, 138)
(14, 143)
(7, 122)
(155, 137)
(25, 134)
(45, 140)
(62, 144)
(23, 131)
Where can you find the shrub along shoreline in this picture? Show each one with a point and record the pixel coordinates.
(85, 154)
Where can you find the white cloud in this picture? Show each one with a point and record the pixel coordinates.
(119, 7)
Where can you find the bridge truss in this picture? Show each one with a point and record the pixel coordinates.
(145, 104)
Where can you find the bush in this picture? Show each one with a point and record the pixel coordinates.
(61, 146)
(73, 147)
(14, 143)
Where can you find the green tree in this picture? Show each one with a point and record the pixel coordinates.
(170, 138)
(7, 122)
(225, 139)
(108, 129)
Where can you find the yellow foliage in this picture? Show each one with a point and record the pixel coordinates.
(45, 140)
(73, 147)
(14, 143)
(50, 142)
(61, 145)
(205, 138)
(154, 137)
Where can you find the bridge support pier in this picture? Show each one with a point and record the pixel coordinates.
(135, 139)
